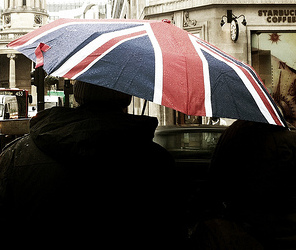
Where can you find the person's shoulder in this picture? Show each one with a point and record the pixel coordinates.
(24, 151)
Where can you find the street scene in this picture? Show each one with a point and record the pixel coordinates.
(166, 124)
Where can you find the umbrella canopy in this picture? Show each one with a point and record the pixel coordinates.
(154, 60)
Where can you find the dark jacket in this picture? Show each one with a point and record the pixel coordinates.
(91, 173)
(253, 182)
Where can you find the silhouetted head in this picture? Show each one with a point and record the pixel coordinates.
(91, 94)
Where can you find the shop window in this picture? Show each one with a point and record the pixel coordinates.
(273, 58)
(182, 118)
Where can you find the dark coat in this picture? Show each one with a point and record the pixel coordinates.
(253, 182)
(93, 174)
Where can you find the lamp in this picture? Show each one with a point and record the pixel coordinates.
(230, 16)
(222, 21)
(244, 22)
(234, 27)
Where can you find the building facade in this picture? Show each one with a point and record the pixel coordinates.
(88, 9)
(260, 33)
(18, 18)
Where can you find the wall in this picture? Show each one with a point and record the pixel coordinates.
(203, 18)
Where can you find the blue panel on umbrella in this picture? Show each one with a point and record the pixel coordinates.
(128, 68)
(229, 95)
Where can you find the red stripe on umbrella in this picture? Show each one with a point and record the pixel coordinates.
(98, 52)
(174, 73)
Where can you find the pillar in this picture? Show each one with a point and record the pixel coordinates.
(12, 82)
(6, 4)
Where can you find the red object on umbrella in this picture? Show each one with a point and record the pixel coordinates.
(153, 60)
(38, 52)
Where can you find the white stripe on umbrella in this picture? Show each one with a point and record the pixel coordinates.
(91, 47)
(105, 53)
(206, 74)
(251, 74)
(43, 34)
(158, 83)
(248, 85)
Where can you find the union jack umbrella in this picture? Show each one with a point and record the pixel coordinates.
(153, 60)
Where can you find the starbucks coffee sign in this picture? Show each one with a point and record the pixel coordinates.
(278, 16)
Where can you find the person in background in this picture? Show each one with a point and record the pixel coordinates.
(252, 190)
(90, 175)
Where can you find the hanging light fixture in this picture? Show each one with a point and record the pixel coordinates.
(232, 19)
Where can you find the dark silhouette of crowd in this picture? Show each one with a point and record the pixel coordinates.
(89, 176)
(92, 175)
(251, 193)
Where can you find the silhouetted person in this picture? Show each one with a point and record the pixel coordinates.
(252, 189)
(91, 174)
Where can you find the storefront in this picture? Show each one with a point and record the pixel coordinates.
(262, 35)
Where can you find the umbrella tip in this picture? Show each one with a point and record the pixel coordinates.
(166, 20)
